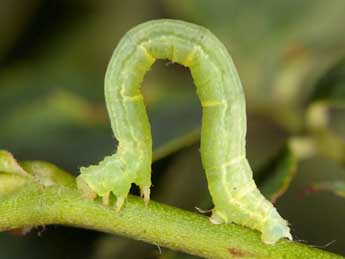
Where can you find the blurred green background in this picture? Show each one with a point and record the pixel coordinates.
(291, 59)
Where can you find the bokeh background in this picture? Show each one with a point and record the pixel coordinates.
(290, 56)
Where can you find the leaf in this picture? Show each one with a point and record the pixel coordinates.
(60, 107)
(51, 114)
(283, 52)
(9, 165)
(183, 183)
(275, 177)
(329, 92)
(47, 174)
(173, 108)
(12, 175)
(330, 88)
(335, 187)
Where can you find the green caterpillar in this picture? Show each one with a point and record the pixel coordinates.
(234, 193)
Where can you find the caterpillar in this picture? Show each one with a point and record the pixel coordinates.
(223, 131)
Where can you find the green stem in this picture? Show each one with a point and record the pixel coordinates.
(34, 204)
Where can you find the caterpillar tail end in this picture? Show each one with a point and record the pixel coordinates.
(273, 231)
(217, 218)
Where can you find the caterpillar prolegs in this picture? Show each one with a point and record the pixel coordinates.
(234, 193)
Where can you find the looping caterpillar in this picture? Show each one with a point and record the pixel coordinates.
(233, 190)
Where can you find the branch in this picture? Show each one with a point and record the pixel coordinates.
(54, 199)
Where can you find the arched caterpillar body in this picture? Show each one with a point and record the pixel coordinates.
(234, 193)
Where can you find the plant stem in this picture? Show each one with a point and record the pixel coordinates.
(158, 224)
